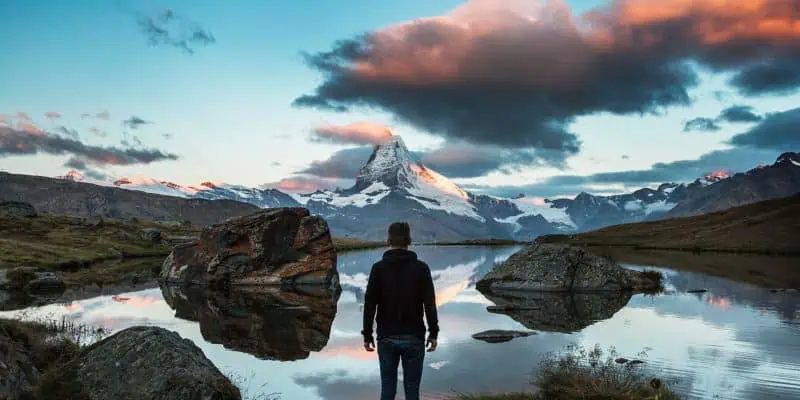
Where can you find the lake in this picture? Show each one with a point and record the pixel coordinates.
(735, 341)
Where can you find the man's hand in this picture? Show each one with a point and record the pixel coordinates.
(369, 345)
(432, 344)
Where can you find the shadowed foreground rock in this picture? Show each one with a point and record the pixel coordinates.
(500, 336)
(263, 321)
(564, 268)
(142, 363)
(556, 312)
(282, 246)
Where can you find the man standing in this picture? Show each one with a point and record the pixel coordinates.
(400, 287)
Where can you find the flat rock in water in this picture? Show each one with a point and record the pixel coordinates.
(564, 268)
(280, 246)
(144, 363)
(500, 336)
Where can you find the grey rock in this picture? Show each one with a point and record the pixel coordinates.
(16, 209)
(143, 363)
(563, 268)
(17, 370)
(500, 336)
(151, 235)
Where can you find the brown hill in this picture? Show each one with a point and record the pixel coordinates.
(767, 227)
(58, 196)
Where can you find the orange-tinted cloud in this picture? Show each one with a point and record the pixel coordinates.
(304, 184)
(517, 73)
(30, 128)
(354, 133)
(52, 115)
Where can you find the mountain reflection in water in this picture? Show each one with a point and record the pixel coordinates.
(268, 323)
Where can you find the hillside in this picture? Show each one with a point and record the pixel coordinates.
(767, 227)
(79, 199)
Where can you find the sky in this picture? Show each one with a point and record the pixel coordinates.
(546, 98)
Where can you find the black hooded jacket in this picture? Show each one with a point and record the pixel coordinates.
(400, 287)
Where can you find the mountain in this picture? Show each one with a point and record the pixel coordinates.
(83, 199)
(264, 198)
(393, 186)
(780, 179)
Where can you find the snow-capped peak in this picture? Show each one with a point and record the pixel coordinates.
(789, 158)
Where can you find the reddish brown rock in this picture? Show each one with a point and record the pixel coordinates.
(281, 246)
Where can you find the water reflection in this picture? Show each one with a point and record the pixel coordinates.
(736, 341)
(266, 322)
(557, 312)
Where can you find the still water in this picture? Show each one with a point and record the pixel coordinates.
(735, 341)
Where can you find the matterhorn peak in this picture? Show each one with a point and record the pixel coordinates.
(390, 164)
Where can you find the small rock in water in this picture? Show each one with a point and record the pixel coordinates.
(501, 309)
(621, 360)
(635, 362)
(697, 291)
(500, 336)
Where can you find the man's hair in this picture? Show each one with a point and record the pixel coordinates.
(399, 234)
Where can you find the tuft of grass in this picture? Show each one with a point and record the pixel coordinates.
(243, 384)
(580, 373)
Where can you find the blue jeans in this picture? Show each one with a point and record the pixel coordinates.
(391, 350)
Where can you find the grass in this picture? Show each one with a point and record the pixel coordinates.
(103, 250)
(769, 228)
(351, 244)
(579, 373)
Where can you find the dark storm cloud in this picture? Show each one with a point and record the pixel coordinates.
(18, 142)
(75, 163)
(486, 73)
(72, 133)
(135, 122)
(344, 163)
(735, 160)
(778, 131)
(166, 28)
(739, 113)
(701, 124)
(470, 161)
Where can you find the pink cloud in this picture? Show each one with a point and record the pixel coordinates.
(354, 133)
(104, 115)
(52, 115)
(23, 116)
(5, 119)
(30, 128)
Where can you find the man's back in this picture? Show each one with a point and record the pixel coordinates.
(401, 288)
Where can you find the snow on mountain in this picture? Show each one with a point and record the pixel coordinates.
(75, 176)
(534, 206)
(391, 168)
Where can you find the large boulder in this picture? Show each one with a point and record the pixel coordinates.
(141, 363)
(16, 209)
(564, 268)
(266, 322)
(281, 246)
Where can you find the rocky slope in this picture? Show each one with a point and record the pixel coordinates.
(81, 199)
(781, 179)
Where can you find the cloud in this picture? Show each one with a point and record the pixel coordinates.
(72, 133)
(5, 119)
(701, 124)
(468, 161)
(75, 163)
(23, 116)
(344, 163)
(135, 122)
(167, 136)
(778, 131)
(51, 115)
(625, 157)
(167, 28)
(104, 115)
(735, 159)
(739, 113)
(353, 133)
(30, 128)
(18, 142)
(516, 74)
(97, 131)
(306, 184)
(80, 165)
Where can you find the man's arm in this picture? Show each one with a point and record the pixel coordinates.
(429, 302)
(370, 305)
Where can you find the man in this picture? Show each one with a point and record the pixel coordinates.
(400, 287)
